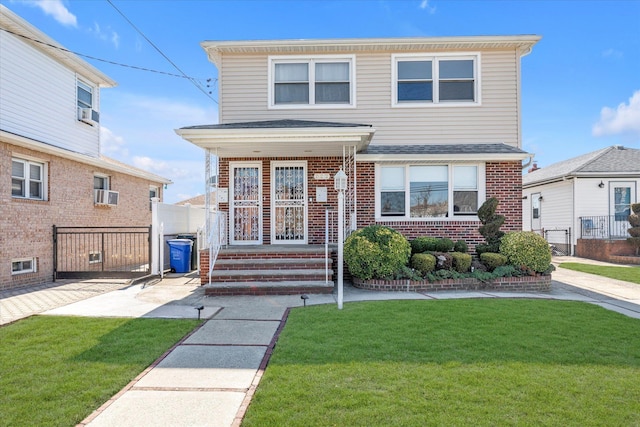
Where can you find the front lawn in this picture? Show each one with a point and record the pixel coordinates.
(627, 274)
(55, 371)
(452, 362)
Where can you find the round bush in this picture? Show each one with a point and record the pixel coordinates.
(423, 244)
(461, 246)
(526, 249)
(423, 263)
(461, 262)
(376, 252)
(492, 260)
(444, 245)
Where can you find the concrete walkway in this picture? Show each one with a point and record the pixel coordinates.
(209, 378)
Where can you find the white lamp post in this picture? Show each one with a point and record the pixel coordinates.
(340, 184)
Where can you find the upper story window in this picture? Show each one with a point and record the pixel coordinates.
(428, 191)
(100, 182)
(85, 95)
(87, 108)
(432, 80)
(28, 179)
(303, 81)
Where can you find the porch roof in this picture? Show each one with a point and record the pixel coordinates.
(278, 138)
(443, 152)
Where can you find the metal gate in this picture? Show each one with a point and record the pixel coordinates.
(101, 252)
(559, 241)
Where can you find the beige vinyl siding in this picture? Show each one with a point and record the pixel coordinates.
(244, 97)
(39, 99)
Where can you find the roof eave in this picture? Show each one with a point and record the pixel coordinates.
(486, 157)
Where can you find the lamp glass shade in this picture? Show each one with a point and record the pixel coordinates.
(340, 180)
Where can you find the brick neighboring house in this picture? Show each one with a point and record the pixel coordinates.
(426, 129)
(51, 170)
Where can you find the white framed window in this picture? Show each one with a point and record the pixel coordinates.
(153, 192)
(23, 265)
(28, 179)
(100, 182)
(427, 191)
(84, 94)
(431, 80)
(319, 82)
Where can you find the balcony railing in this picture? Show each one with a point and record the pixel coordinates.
(607, 227)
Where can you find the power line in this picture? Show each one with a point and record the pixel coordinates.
(192, 80)
(103, 60)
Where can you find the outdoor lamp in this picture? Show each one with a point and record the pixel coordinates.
(340, 180)
(601, 185)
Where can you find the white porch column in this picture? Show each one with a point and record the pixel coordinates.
(155, 237)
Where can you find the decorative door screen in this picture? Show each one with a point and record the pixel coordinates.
(289, 193)
(246, 204)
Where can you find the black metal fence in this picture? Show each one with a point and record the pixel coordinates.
(559, 241)
(605, 227)
(101, 252)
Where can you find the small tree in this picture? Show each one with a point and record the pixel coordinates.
(634, 231)
(490, 228)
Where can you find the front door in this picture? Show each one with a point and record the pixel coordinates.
(621, 196)
(245, 208)
(289, 202)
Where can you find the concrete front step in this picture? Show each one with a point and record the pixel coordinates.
(269, 275)
(292, 287)
(272, 264)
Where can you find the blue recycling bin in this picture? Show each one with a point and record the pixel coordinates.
(180, 255)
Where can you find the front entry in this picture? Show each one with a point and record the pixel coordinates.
(245, 207)
(289, 202)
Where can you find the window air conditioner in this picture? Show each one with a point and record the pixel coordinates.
(106, 197)
(88, 115)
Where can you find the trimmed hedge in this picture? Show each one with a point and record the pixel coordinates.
(423, 263)
(492, 260)
(461, 262)
(376, 252)
(526, 250)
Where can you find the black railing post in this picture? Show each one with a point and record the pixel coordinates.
(55, 252)
(149, 261)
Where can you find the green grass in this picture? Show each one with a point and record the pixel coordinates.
(628, 274)
(452, 363)
(54, 371)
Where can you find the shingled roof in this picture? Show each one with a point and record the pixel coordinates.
(611, 161)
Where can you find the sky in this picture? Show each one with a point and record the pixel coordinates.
(580, 84)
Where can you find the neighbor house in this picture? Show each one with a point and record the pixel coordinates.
(581, 205)
(426, 130)
(51, 170)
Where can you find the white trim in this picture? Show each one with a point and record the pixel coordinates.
(98, 259)
(245, 164)
(273, 166)
(104, 176)
(451, 217)
(311, 60)
(33, 269)
(435, 57)
(44, 170)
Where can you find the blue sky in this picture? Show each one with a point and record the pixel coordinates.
(580, 84)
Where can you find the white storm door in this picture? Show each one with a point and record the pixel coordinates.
(245, 207)
(621, 196)
(289, 202)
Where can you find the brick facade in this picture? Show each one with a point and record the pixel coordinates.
(504, 181)
(26, 225)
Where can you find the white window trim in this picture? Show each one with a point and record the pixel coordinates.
(435, 57)
(98, 260)
(451, 217)
(45, 173)
(33, 269)
(79, 82)
(104, 176)
(310, 59)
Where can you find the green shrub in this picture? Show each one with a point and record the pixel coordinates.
(423, 244)
(461, 262)
(444, 245)
(376, 252)
(634, 231)
(423, 263)
(492, 260)
(507, 271)
(461, 246)
(444, 260)
(526, 250)
(407, 273)
(490, 228)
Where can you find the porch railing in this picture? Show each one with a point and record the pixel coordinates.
(217, 237)
(604, 227)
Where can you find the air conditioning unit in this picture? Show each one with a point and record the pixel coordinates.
(106, 197)
(88, 115)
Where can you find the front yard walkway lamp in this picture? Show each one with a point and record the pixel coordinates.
(340, 184)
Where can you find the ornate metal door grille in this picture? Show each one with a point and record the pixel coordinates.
(289, 194)
(246, 204)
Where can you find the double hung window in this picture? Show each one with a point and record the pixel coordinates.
(428, 191)
(27, 179)
(311, 81)
(435, 79)
(84, 95)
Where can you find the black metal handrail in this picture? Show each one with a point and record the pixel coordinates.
(604, 227)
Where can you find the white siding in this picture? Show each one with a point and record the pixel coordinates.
(244, 93)
(556, 209)
(38, 99)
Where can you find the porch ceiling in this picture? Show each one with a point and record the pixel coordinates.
(321, 140)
